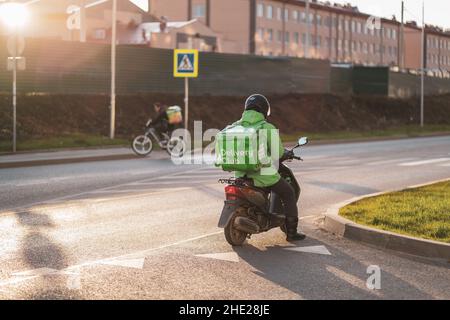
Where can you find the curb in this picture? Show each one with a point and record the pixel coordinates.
(379, 139)
(343, 227)
(45, 162)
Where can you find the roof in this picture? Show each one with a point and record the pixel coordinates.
(156, 26)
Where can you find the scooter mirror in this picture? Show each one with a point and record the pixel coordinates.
(303, 141)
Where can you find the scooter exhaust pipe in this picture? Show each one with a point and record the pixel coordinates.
(246, 225)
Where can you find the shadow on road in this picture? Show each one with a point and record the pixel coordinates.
(40, 251)
(317, 277)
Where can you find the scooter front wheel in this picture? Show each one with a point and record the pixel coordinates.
(232, 235)
(142, 146)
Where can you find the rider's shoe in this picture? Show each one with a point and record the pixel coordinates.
(277, 220)
(291, 230)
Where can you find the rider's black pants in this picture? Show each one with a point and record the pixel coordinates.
(287, 194)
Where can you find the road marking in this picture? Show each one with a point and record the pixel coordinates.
(351, 279)
(376, 163)
(127, 263)
(418, 163)
(313, 249)
(227, 256)
(132, 256)
(35, 272)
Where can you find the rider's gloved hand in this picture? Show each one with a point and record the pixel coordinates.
(288, 154)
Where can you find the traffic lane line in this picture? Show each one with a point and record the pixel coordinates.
(419, 163)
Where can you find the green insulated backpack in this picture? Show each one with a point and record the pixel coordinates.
(240, 148)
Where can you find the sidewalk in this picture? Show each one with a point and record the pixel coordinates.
(63, 157)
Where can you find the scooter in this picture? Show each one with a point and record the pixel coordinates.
(142, 145)
(250, 210)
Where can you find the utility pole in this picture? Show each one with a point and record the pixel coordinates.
(113, 70)
(15, 90)
(401, 47)
(83, 25)
(283, 23)
(308, 30)
(422, 79)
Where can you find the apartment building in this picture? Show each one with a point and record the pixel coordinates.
(339, 33)
(50, 19)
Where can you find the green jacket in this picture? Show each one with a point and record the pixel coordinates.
(268, 176)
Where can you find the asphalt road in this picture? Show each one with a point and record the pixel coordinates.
(146, 229)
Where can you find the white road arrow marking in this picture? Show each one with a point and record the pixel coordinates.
(313, 249)
(127, 263)
(228, 256)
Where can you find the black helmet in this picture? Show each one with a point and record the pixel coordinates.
(259, 103)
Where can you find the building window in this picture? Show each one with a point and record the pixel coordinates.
(270, 35)
(260, 10)
(318, 20)
(347, 26)
(319, 42)
(279, 14)
(297, 38)
(303, 17)
(358, 27)
(394, 34)
(286, 14)
(287, 37)
(353, 26)
(260, 33)
(279, 36)
(269, 12)
(199, 11)
(311, 18)
(304, 39)
(295, 15)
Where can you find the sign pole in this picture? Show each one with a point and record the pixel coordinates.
(185, 65)
(186, 102)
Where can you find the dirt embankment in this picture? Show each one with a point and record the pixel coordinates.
(52, 115)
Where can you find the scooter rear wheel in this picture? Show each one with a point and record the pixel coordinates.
(232, 235)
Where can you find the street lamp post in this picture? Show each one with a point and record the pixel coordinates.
(422, 74)
(113, 70)
(15, 91)
(308, 30)
(14, 15)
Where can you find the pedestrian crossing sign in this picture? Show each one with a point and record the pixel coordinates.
(185, 63)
